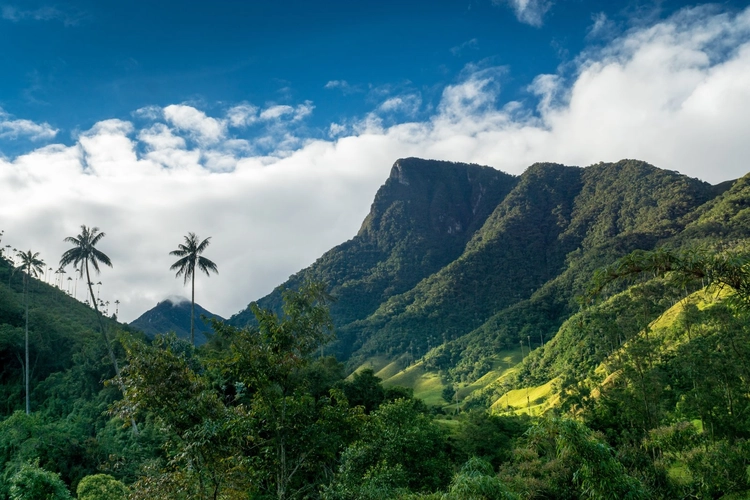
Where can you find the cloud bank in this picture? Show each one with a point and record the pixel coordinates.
(676, 94)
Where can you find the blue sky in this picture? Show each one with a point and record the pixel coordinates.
(270, 125)
(73, 64)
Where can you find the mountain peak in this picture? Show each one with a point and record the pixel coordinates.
(175, 300)
(173, 315)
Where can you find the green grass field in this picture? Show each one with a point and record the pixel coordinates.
(531, 400)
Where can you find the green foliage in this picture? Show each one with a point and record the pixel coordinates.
(32, 482)
(101, 487)
(364, 390)
(477, 481)
(241, 416)
(398, 446)
(564, 459)
(489, 437)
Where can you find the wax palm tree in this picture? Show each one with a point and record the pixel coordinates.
(83, 255)
(191, 252)
(31, 265)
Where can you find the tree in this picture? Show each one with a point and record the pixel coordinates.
(101, 487)
(83, 253)
(190, 253)
(31, 265)
(398, 447)
(239, 418)
(34, 483)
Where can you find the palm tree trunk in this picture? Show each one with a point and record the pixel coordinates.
(192, 314)
(26, 365)
(111, 351)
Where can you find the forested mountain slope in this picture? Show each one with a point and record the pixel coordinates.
(458, 261)
(419, 222)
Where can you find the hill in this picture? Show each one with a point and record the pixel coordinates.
(173, 315)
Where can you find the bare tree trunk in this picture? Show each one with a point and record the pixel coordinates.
(26, 367)
(192, 314)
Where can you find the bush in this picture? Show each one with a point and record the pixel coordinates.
(101, 487)
(32, 482)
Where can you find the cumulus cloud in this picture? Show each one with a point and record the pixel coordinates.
(202, 127)
(242, 115)
(676, 94)
(13, 128)
(281, 110)
(528, 11)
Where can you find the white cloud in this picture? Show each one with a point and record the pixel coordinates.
(13, 128)
(345, 87)
(203, 128)
(337, 129)
(159, 136)
(303, 110)
(337, 84)
(242, 115)
(275, 112)
(407, 103)
(528, 11)
(602, 26)
(279, 111)
(149, 113)
(676, 94)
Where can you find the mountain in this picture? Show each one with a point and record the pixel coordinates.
(173, 315)
(457, 261)
(420, 221)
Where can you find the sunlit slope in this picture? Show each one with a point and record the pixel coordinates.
(429, 385)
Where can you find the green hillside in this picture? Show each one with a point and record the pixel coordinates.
(63, 333)
(411, 283)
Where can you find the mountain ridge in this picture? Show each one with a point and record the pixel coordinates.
(506, 261)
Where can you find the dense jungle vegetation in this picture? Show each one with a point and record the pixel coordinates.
(570, 333)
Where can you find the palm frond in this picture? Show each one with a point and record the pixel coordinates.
(207, 265)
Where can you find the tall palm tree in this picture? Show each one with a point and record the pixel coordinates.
(191, 252)
(83, 254)
(31, 265)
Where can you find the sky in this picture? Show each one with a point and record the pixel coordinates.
(269, 125)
